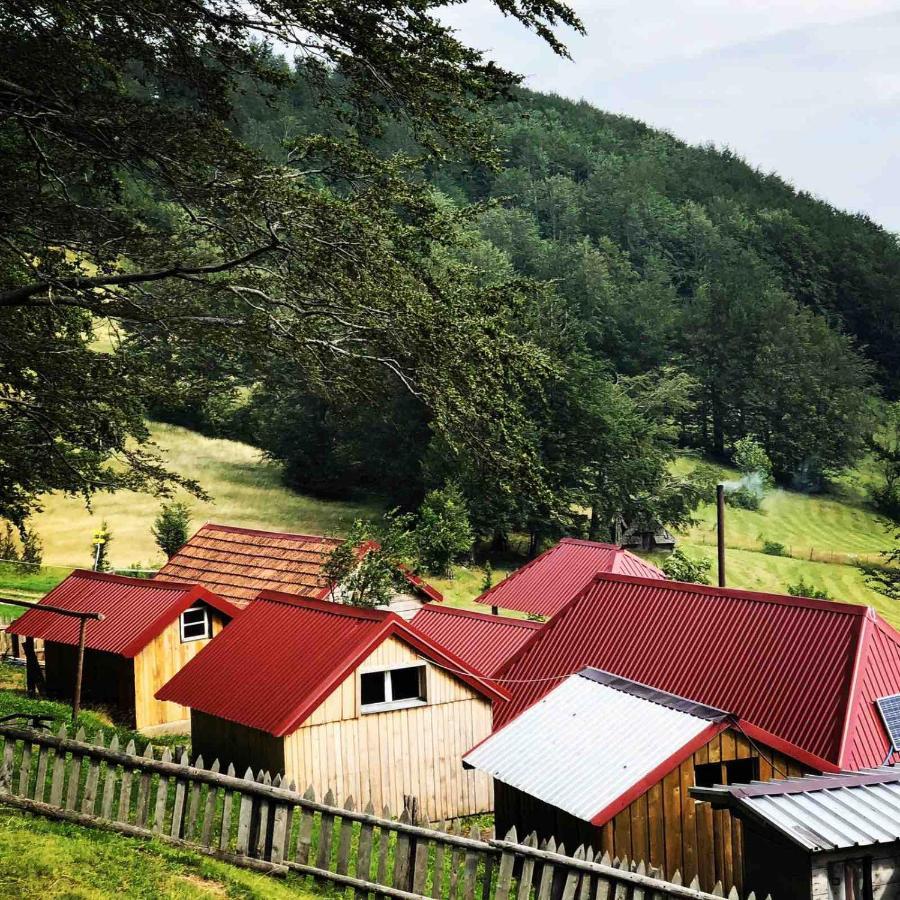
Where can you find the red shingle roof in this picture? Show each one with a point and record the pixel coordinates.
(801, 674)
(238, 563)
(283, 655)
(484, 641)
(543, 586)
(135, 610)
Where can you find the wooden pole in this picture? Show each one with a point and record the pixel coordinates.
(720, 530)
(79, 668)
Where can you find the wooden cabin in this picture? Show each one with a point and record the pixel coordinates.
(337, 697)
(149, 631)
(831, 837)
(545, 585)
(797, 680)
(238, 563)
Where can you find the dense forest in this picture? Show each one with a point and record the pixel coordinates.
(394, 270)
(691, 299)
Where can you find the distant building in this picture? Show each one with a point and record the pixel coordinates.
(545, 585)
(830, 837)
(149, 631)
(798, 680)
(238, 563)
(334, 696)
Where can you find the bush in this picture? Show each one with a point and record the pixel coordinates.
(100, 548)
(773, 548)
(170, 529)
(679, 567)
(743, 498)
(804, 589)
(443, 532)
(750, 457)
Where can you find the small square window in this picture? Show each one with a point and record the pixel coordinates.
(392, 688)
(195, 624)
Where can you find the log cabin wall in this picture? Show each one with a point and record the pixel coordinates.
(165, 655)
(664, 827)
(405, 752)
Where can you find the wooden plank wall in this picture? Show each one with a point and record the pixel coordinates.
(155, 665)
(237, 745)
(388, 755)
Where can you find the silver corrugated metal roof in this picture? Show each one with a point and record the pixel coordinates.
(822, 812)
(591, 741)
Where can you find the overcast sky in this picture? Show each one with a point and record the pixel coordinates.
(806, 88)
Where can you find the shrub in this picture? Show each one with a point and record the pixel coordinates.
(679, 567)
(443, 532)
(488, 581)
(170, 528)
(32, 551)
(802, 588)
(773, 548)
(100, 548)
(9, 551)
(743, 498)
(750, 457)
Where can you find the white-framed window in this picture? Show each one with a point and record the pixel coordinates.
(195, 624)
(395, 688)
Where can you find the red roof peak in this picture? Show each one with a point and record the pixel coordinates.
(834, 606)
(262, 532)
(583, 542)
(330, 607)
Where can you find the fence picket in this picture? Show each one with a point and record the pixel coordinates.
(209, 812)
(527, 874)
(262, 818)
(59, 771)
(437, 877)
(41, 776)
(364, 853)
(190, 823)
(547, 870)
(507, 862)
(76, 769)
(162, 796)
(603, 885)
(384, 839)
(326, 834)
(420, 861)
(6, 768)
(470, 866)
(125, 788)
(304, 832)
(178, 804)
(343, 855)
(401, 856)
(456, 856)
(245, 814)
(143, 796)
(91, 781)
(227, 804)
(24, 770)
(109, 782)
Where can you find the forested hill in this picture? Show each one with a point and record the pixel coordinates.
(673, 208)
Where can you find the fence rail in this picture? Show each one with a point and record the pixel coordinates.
(260, 823)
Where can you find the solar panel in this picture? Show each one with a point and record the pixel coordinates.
(889, 707)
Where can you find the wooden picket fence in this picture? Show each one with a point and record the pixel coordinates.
(260, 823)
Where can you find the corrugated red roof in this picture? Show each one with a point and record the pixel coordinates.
(135, 610)
(483, 641)
(284, 654)
(238, 563)
(543, 586)
(801, 674)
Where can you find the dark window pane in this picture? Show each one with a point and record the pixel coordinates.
(742, 771)
(406, 683)
(707, 774)
(372, 684)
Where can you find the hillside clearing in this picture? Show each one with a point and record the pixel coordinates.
(43, 858)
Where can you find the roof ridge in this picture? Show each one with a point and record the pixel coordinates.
(290, 535)
(584, 542)
(162, 584)
(835, 606)
(484, 617)
(331, 607)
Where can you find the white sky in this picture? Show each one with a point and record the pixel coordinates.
(807, 88)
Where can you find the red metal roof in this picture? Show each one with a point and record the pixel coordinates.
(543, 586)
(282, 657)
(801, 674)
(135, 610)
(484, 641)
(238, 563)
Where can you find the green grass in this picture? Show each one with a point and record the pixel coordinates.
(48, 859)
(14, 699)
(466, 584)
(246, 490)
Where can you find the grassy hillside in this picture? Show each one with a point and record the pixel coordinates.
(43, 858)
(822, 536)
(245, 490)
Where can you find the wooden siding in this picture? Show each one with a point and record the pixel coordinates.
(218, 739)
(107, 679)
(156, 664)
(664, 827)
